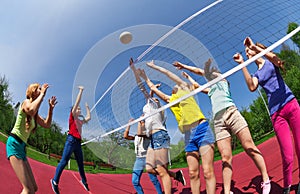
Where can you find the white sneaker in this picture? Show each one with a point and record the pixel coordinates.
(266, 187)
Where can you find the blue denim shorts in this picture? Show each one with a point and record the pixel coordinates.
(15, 148)
(160, 139)
(140, 163)
(200, 136)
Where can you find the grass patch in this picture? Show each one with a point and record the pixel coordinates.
(44, 158)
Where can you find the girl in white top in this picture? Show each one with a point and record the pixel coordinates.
(157, 154)
(141, 144)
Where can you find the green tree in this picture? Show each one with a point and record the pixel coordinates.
(291, 60)
(44, 139)
(260, 122)
(7, 117)
(292, 79)
(296, 38)
(177, 152)
(114, 149)
(290, 57)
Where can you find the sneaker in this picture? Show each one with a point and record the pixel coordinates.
(286, 190)
(179, 177)
(266, 187)
(54, 186)
(85, 185)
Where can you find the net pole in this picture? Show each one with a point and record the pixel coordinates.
(266, 106)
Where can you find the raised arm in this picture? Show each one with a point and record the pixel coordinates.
(141, 130)
(88, 113)
(168, 73)
(151, 93)
(46, 123)
(210, 73)
(32, 107)
(126, 132)
(192, 69)
(138, 79)
(194, 83)
(270, 55)
(78, 99)
(153, 87)
(251, 82)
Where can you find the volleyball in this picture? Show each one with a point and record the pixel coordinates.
(125, 37)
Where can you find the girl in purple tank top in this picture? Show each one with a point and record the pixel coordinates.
(283, 106)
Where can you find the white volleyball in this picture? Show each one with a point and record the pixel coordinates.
(125, 37)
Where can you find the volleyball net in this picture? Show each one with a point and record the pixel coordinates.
(216, 31)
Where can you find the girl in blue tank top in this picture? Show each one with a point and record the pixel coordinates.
(283, 106)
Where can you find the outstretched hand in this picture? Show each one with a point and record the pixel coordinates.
(44, 88)
(210, 73)
(142, 73)
(248, 42)
(52, 102)
(238, 58)
(157, 85)
(131, 61)
(130, 120)
(151, 63)
(185, 75)
(178, 65)
(131, 64)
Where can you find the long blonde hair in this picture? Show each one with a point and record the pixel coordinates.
(29, 95)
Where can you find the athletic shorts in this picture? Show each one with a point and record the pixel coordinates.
(228, 121)
(201, 135)
(157, 153)
(16, 148)
(160, 139)
(156, 158)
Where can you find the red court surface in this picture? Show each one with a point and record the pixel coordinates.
(246, 178)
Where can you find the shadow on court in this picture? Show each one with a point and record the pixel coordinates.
(246, 177)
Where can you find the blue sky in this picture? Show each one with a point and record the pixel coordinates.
(46, 41)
